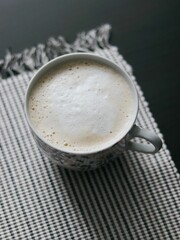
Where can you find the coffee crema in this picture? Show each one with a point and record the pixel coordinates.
(81, 105)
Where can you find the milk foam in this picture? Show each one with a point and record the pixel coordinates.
(81, 106)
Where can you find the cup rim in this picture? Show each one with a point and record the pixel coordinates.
(72, 56)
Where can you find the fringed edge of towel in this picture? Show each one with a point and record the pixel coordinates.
(35, 57)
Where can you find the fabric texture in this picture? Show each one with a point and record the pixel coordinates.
(134, 197)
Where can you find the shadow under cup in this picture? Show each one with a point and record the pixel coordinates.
(91, 159)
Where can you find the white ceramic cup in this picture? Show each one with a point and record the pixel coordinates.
(93, 159)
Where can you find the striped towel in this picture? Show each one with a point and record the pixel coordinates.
(134, 197)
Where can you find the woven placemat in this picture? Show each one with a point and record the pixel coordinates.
(134, 197)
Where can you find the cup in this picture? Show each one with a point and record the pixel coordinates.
(96, 158)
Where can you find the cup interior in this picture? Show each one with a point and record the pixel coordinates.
(85, 56)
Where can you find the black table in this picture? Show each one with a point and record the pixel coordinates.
(146, 32)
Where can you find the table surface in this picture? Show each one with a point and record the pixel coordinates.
(146, 33)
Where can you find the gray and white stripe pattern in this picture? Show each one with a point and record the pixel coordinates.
(134, 197)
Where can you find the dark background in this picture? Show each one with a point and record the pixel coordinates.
(146, 32)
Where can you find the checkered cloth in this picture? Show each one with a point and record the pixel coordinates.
(134, 197)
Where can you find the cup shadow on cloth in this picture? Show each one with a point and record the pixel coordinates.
(101, 198)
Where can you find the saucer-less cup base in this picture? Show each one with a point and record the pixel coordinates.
(94, 159)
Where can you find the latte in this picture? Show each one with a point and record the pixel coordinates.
(81, 105)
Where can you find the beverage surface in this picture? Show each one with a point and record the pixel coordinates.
(81, 105)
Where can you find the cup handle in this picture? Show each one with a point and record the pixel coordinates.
(155, 142)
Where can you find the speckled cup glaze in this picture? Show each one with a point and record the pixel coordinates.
(85, 160)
